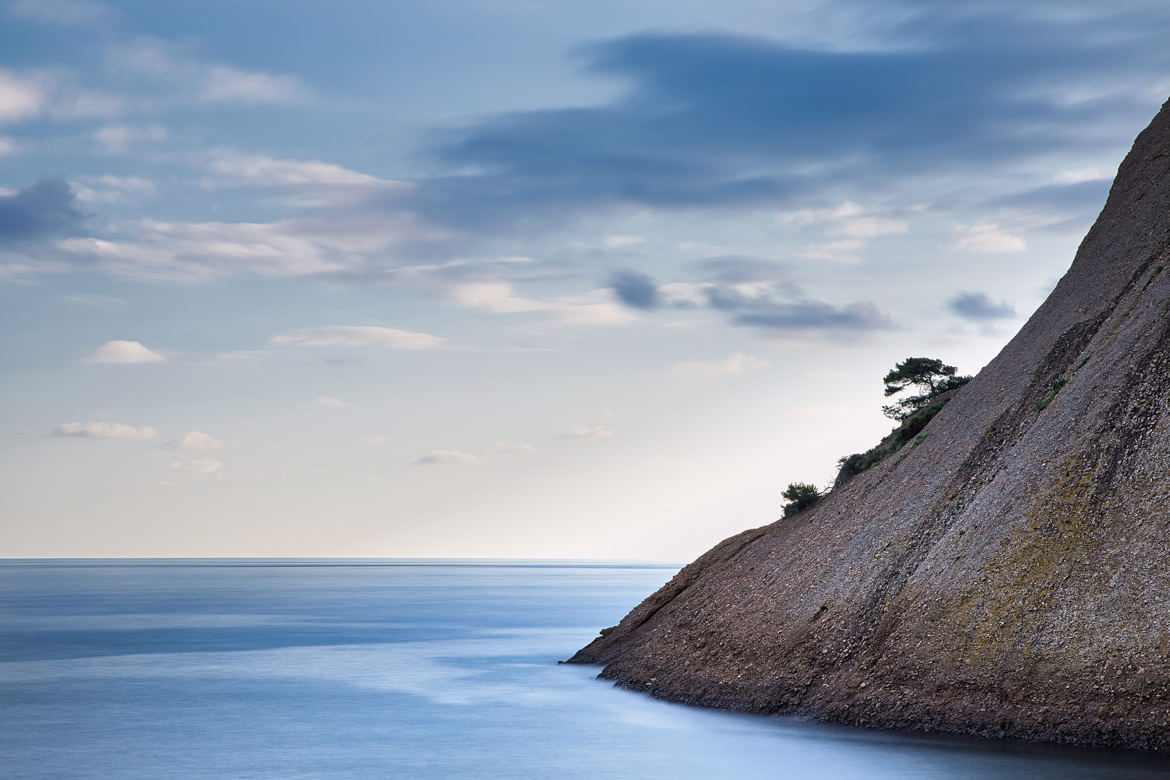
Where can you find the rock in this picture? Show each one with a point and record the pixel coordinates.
(1009, 575)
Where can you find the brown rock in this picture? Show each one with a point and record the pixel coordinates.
(1009, 576)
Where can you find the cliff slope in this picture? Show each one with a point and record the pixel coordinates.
(1009, 576)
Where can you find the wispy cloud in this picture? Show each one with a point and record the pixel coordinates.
(501, 449)
(361, 336)
(112, 189)
(197, 466)
(986, 239)
(197, 441)
(166, 63)
(448, 458)
(507, 448)
(305, 183)
(589, 432)
(737, 363)
(123, 139)
(104, 430)
(204, 251)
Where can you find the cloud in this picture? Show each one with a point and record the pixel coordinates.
(497, 297)
(361, 336)
(20, 97)
(634, 289)
(124, 352)
(1078, 175)
(199, 466)
(309, 183)
(979, 307)
(448, 458)
(718, 120)
(112, 189)
(806, 315)
(501, 449)
(262, 171)
(175, 68)
(487, 285)
(620, 241)
(331, 402)
(737, 363)
(223, 83)
(508, 448)
(204, 251)
(197, 441)
(122, 139)
(986, 239)
(849, 227)
(1055, 204)
(375, 440)
(104, 430)
(589, 432)
(45, 208)
(8, 147)
(757, 293)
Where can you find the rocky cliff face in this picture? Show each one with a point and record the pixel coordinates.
(1009, 575)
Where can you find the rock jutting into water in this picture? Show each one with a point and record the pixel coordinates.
(1009, 575)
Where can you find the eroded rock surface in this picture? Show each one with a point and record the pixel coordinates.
(1009, 575)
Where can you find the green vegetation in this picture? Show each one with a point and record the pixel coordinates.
(909, 430)
(1042, 404)
(929, 376)
(800, 496)
(934, 383)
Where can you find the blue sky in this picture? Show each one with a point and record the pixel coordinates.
(479, 278)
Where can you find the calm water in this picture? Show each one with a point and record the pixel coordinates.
(291, 669)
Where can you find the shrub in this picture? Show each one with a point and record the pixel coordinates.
(1042, 404)
(800, 496)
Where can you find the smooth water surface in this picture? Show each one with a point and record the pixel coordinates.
(412, 669)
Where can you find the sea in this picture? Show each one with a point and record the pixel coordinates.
(395, 669)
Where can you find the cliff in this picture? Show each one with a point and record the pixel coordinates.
(1007, 576)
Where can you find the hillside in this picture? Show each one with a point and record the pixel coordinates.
(1007, 576)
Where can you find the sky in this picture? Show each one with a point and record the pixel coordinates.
(506, 278)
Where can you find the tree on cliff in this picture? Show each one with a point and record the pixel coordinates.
(800, 496)
(929, 376)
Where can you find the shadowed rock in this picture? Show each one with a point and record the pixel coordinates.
(1008, 576)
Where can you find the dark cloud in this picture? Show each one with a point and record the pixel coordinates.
(718, 120)
(779, 306)
(634, 289)
(979, 307)
(805, 315)
(46, 208)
